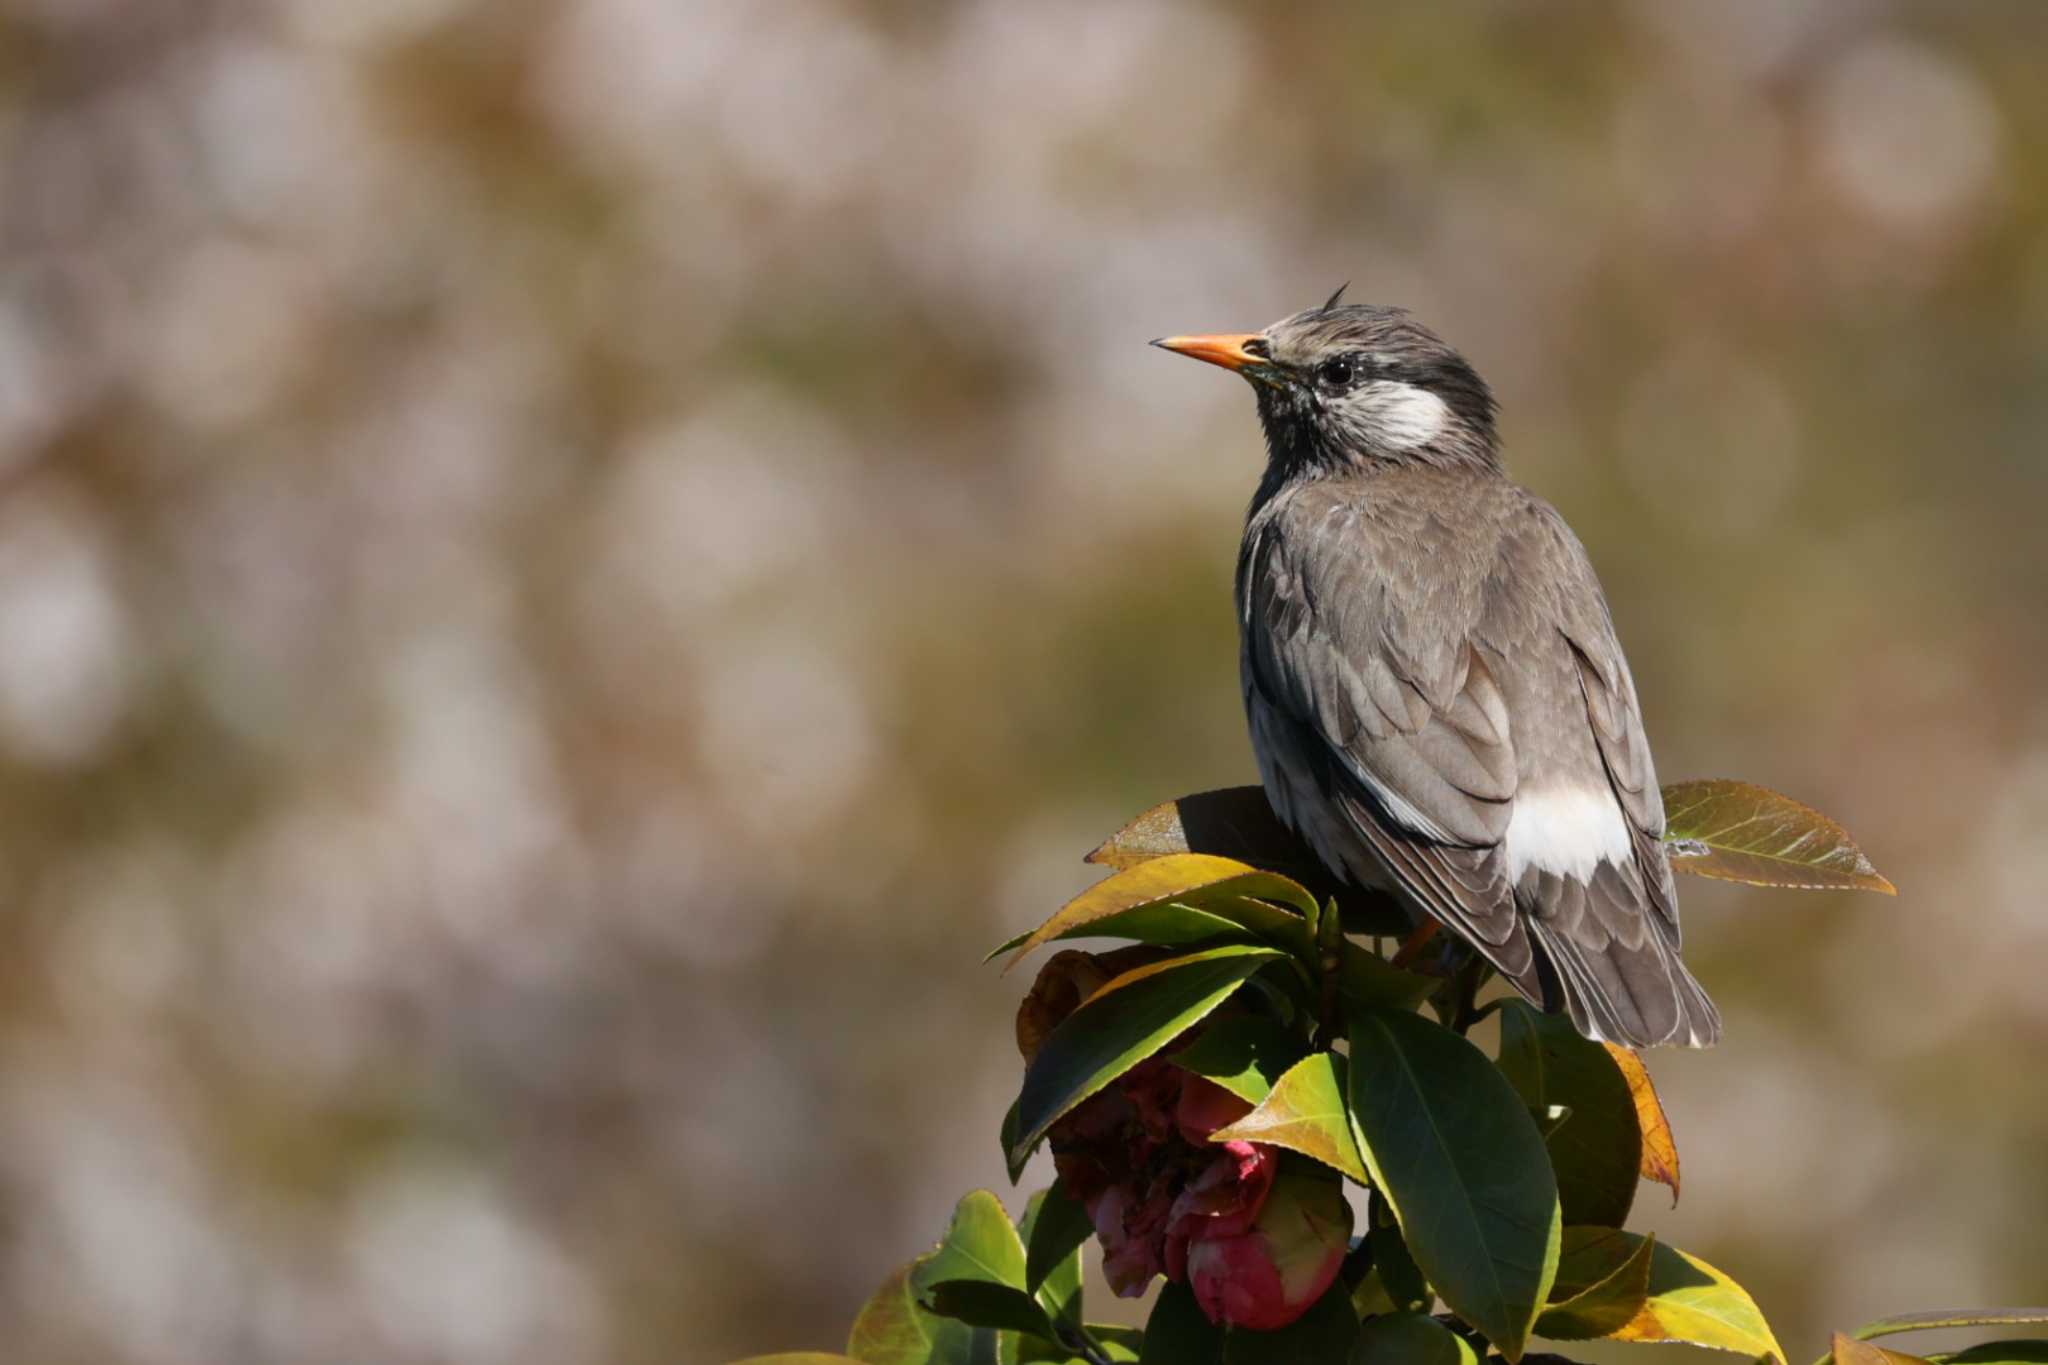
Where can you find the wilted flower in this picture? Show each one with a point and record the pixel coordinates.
(1067, 979)
(1268, 1275)
(1259, 1236)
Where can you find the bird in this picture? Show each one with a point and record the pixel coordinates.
(1437, 700)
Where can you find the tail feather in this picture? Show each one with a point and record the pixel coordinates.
(1637, 996)
(1613, 967)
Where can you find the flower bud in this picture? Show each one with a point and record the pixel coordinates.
(1222, 1201)
(1268, 1275)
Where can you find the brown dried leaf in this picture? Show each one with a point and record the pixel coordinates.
(1234, 822)
(1740, 832)
(1067, 979)
(1660, 1148)
(1849, 1351)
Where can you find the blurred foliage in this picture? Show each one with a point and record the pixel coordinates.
(563, 562)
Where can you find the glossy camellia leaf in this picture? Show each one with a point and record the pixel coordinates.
(1998, 1353)
(977, 1274)
(1054, 1228)
(1597, 1151)
(1244, 1054)
(1238, 822)
(1869, 1353)
(1305, 1113)
(1015, 1154)
(1410, 1339)
(1741, 832)
(1689, 1300)
(1121, 1025)
(1660, 1148)
(1118, 1345)
(1401, 1280)
(1369, 979)
(1168, 924)
(1606, 1306)
(1950, 1317)
(1324, 1333)
(1452, 1148)
(893, 1330)
(1179, 1332)
(1195, 880)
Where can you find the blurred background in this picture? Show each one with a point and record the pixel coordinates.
(566, 568)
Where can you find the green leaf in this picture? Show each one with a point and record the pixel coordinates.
(800, 1358)
(1244, 1054)
(1597, 1151)
(1178, 1332)
(1688, 1299)
(1950, 1317)
(1014, 1157)
(1452, 1147)
(1168, 924)
(1400, 1279)
(893, 1330)
(1121, 1025)
(1321, 1335)
(1963, 1317)
(1119, 1345)
(1740, 832)
(1998, 1353)
(1606, 1306)
(1370, 980)
(1849, 1351)
(1238, 823)
(1305, 1113)
(977, 1274)
(1192, 880)
(1054, 1228)
(1411, 1339)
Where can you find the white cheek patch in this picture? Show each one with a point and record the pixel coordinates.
(1568, 831)
(1403, 416)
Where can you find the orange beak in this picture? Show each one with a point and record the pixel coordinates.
(1227, 349)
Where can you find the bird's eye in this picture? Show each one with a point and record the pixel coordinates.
(1336, 372)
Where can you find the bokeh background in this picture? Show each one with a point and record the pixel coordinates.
(565, 568)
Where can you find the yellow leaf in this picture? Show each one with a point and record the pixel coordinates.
(1660, 1148)
(1689, 1300)
(1195, 879)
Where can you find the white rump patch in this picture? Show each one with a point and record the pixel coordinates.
(1568, 831)
(1403, 416)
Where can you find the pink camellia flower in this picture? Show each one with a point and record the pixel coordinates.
(1222, 1201)
(1130, 1230)
(1268, 1275)
(1204, 1107)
